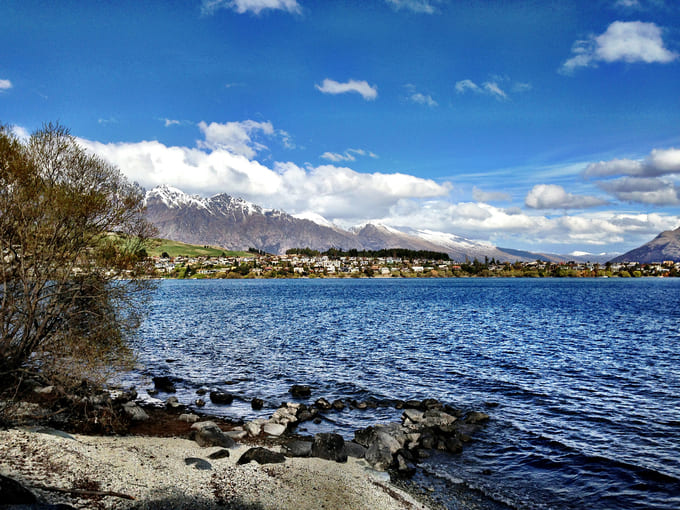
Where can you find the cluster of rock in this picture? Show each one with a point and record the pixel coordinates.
(398, 446)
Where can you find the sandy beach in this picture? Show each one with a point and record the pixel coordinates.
(168, 472)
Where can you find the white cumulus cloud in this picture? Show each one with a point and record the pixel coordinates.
(659, 162)
(552, 196)
(235, 137)
(336, 192)
(254, 6)
(5, 84)
(644, 190)
(366, 91)
(425, 99)
(623, 41)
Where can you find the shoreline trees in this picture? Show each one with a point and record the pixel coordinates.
(70, 295)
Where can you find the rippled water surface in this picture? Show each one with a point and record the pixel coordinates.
(581, 377)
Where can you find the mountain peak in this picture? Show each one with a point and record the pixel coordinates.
(173, 197)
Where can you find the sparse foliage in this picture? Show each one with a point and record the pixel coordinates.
(72, 242)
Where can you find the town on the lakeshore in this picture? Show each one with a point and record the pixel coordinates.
(298, 265)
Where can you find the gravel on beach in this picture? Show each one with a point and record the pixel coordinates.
(163, 473)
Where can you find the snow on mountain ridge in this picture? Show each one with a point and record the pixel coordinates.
(175, 198)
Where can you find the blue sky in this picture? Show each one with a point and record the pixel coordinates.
(537, 124)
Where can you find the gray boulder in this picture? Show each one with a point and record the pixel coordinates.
(380, 453)
(200, 464)
(299, 448)
(354, 450)
(261, 456)
(134, 412)
(329, 446)
(13, 493)
(207, 433)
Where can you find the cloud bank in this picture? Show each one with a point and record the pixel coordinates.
(223, 161)
(551, 196)
(659, 162)
(623, 41)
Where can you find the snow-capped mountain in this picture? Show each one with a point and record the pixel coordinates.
(237, 224)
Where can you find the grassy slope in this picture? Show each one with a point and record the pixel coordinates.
(175, 248)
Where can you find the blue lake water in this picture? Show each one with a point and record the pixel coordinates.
(581, 377)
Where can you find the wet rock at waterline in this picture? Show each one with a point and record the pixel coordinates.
(300, 391)
(221, 397)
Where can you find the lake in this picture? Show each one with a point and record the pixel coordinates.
(581, 377)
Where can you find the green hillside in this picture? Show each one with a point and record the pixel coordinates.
(159, 246)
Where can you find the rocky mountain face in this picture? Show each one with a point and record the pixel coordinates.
(665, 246)
(236, 224)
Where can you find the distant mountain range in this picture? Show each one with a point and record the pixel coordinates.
(665, 246)
(236, 224)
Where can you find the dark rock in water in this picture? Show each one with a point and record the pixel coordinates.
(261, 456)
(219, 454)
(164, 384)
(201, 464)
(491, 404)
(452, 411)
(431, 403)
(305, 415)
(317, 421)
(257, 404)
(209, 434)
(358, 405)
(173, 404)
(413, 404)
(428, 439)
(404, 467)
(329, 446)
(322, 404)
(299, 448)
(338, 405)
(152, 392)
(13, 493)
(300, 391)
(221, 397)
(475, 417)
(453, 445)
(371, 403)
(355, 450)
(199, 402)
(201, 391)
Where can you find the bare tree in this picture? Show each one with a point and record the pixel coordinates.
(72, 258)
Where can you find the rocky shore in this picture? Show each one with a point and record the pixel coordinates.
(169, 457)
